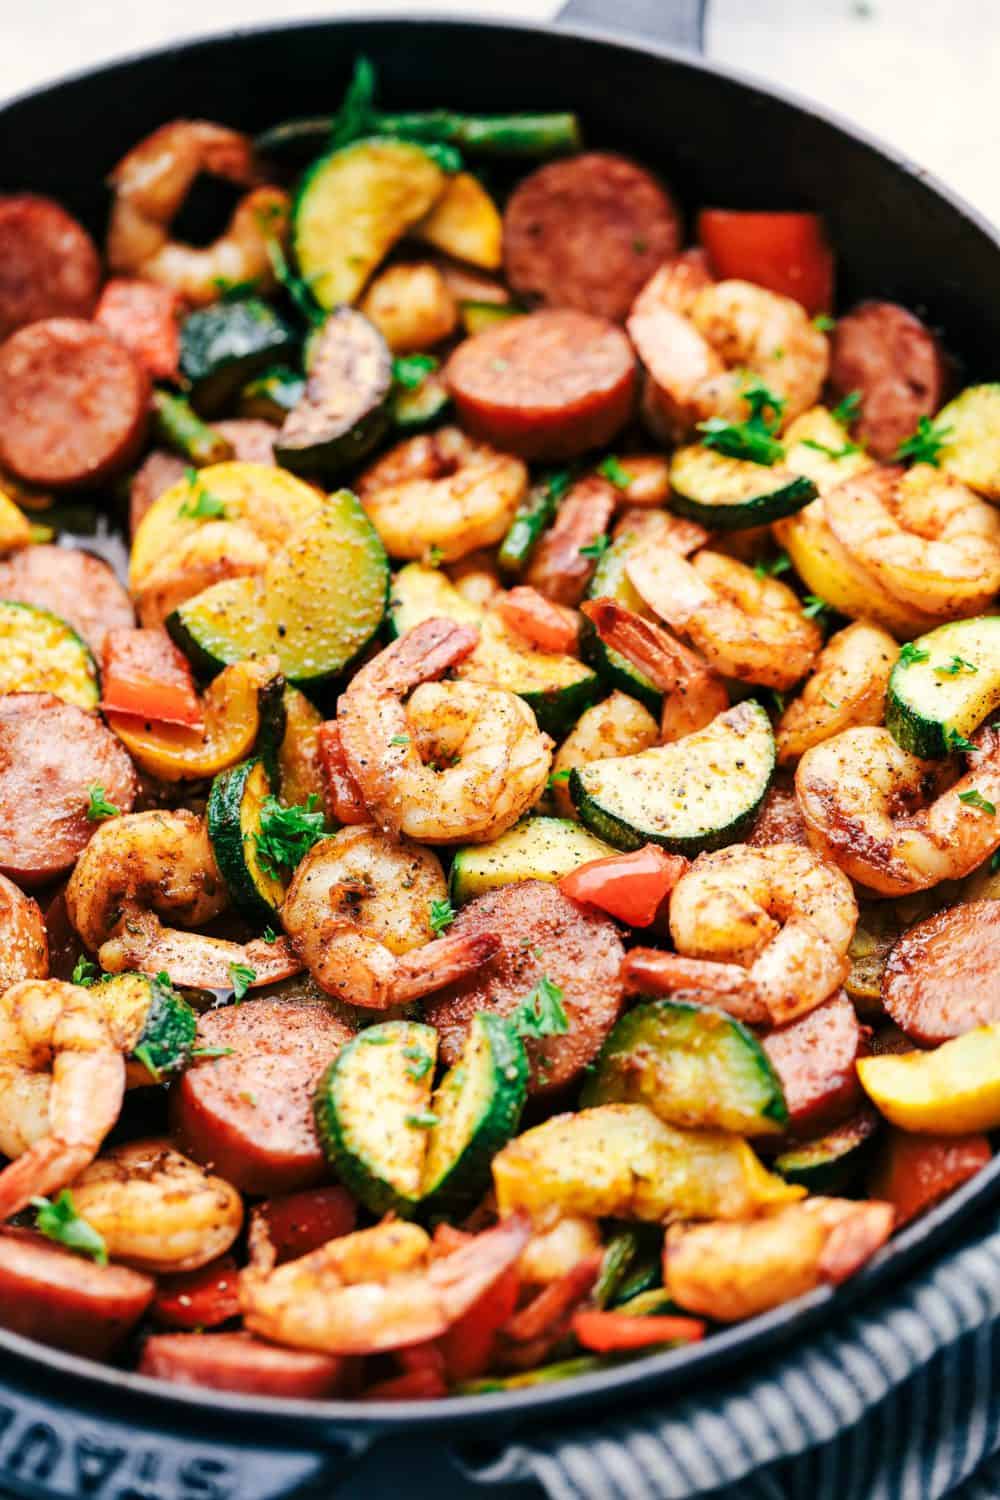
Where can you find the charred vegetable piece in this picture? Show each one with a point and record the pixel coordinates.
(222, 346)
(178, 426)
(532, 517)
(611, 581)
(950, 1091)
(344, 409)
(416, 407)
(234, 812)
(834, 1162)
(464, 222)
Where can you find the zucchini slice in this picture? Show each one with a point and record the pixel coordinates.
(972, 448)
(729, 494)
(478, 1106)
(319, 602)
(466, 223)
(233, 815)
(944, 685)
(611, 581)
(298, 773)
(352, 207)
(270, 396)
(152, 1022)
(40, 653)
(225, 344)
(832, 1163)
(691, 1066)
(372, 1110)
(413, 410)
(534, 849)
(557, 688)
(697, 793)
(344, 409)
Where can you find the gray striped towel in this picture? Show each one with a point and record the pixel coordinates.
(900, 1400)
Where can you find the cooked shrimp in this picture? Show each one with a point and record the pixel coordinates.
(24, 948)
(701, 351)
(375, 1289)
(781, 913)
(847, 688)
(547, 626)
(926, 538)
(694, 694)
(746, 626)
(150, 185)
(863, 802)
(618, 725)
(494, 761)
(442, 495)
(476, 577)
(148, 865)
(660, 528)
(553, 1253)
(358, 912)
(221, 549)
(62, 1082)
(155, 1209)
(561, 565)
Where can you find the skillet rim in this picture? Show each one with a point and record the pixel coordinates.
(663, 1372)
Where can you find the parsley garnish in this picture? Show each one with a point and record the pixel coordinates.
(558, 483)
(269, 935)
(400, 739)
(778, 699)
(286, 834)
(143, 1054)
(542, 1013)
(297, 287)
(442, 915)
(910, 654)
(956, 741)
(426, 1120)
(977, 800)
(212, 1051)
(60, 1221)
(824, 323)
(435, 557)
(558, 777)
(411, 370)
(200, 505)
(955, 666)
(845, 412)
(924, 447)
(421, 1062)
(597, 547)
(609, 468)
(773, 567)
(829, 452)
(99, 807)
(85, 973)
(813, 605)
(755, 438)
(241, 977)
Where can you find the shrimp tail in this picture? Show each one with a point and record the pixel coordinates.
(726, 986)
(439, 963)
(648, 646)
(190, 958)
(44, 1168)
(423, 654)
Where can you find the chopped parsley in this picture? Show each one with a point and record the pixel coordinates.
(411, 370)
(956, 741)
(911, 654)
(297, 287)
(442, 915)
(597, 547)
(558, 777)
(609, 468)
(200, 1052)
(60, 1221)
(834, 453)
(924, 446)
(426, 1120)
(85, 973)
(269, 935)
(200, 505)
(754, 439)
(954, 667)
(241, 977)
(421, 1062)
(400, 739)
(435, 557)
(845, 412)
(813, 605)
(774, 566)
(824, 323)
(99, 808)
(542, 1013)
(976, 799)
(286, 834)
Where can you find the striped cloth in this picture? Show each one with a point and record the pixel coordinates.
(899, 1401)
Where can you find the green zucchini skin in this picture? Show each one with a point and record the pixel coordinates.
(698, 793)
(233, 816)
(224, 345)
(160, 1023)
(730, 494)
(478, 1104)
(344, 409)
(41, 653)
(534, 849)
(833, 1163)
(533, 516)
(416, 410)
(950, 692)
(692, 1066)
(610, 581)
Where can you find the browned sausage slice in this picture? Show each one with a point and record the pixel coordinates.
(73, 403)
(815, 1058)
(886, 353)
(550, 385)
(157, 473)
(24, 947)
(248, 1116)
(75, 585)
(943, 976)
(559, 568)
(588, 232)
(239, 1362)
(252, 440)
(59, 1298)
(542, 933)
(49, 267)
(50, 754)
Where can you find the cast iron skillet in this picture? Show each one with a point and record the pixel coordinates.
(72, 1428)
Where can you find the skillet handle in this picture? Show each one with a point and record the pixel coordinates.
(680, 23)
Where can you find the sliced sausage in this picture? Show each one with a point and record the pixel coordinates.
(75, 585)
(145, 317)
(886, 353)
(206, 1298)
(49, 1294)
(550, 385)
(542, 934)
(248, 1115)
(559, 568)
(943, 976)
(815, 1059)
(24, 948)
(49, 266)
(588, 232)
(252, 440)
(50, 754)
(73, 403)
(299, 1222)
(239, 1362)
(158, 472)
(779, 821)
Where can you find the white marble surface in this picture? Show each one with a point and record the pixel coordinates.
(921, 73)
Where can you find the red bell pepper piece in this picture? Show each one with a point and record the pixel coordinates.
(537, 619)
(469, 1345)
(786, 252)
(913, 1172)
(198, 1299)
(145, 317)
(630, 887)
(415, 1385)
(344, 802)
(607, 1332)
(299, 1222)
(144, 674)
(554, 1302)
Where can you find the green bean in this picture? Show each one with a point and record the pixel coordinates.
(619, 1254)
(563, 1369)
(530, 520)
(644, 1277)
(477, 135)
(178, 426)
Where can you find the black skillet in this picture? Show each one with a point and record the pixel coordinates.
(72, 1428)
